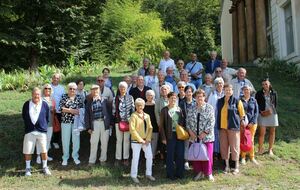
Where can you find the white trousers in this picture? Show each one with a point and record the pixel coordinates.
(49, 136)
(101, 134)
(154, 141)
(136, 149)
(122, 138)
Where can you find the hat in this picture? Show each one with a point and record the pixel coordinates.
(94, 86)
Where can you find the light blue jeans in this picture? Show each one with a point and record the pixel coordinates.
(66, 130)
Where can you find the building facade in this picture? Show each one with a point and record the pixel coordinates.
(252, 29)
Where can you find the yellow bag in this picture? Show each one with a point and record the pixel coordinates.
(181, 133)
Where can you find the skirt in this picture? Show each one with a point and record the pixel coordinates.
(268, 121)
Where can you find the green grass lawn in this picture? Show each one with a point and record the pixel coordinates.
(279, 172)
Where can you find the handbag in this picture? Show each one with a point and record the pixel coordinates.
(198, 150)
(124, 126)
(266, 113)
(56, 124)
(246, 140)
(181, 133)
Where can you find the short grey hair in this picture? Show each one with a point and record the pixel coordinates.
(35, 89)
(165, 86)
(181, 83)
(219, 80)
(139, 101)
(72, 85)
(208, 75)
(151, 93)
(47, 86)
(123, 84)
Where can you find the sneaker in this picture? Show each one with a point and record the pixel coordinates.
(254, 161)
(243, 161)
(227, 170)
(186, 166)
(235, 171)
(150, 177)
(27, 172)
(64, 163)
(50, 158)
(38, 160)
(198, 176)
(211, 178)
(135, 180)
(76, 161)
(56, 145)
(46, 171)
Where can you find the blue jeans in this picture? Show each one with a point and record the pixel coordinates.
(197, 82)
(175, 151)
(67, 130)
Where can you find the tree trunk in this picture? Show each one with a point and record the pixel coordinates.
(33, 55)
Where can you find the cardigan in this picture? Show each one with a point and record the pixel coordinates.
(42, 123)
(261, 101)
(166, 123)
(137, 130)
(251, 110)
(89, 116)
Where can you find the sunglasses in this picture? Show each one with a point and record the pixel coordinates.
(101, 80)
(47, 88)
(72, 88)
(218, 71)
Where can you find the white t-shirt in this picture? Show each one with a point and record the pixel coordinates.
(164, 64)
(34, 111)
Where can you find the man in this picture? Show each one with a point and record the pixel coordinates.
(35, 114)
(58, 91)
(161, 81)
(144, 71)
(166, 62)
(229, 73)
(171, 79)
(219, 73)
(140, 90)
(194, 68)
(239, 82)
(213, 63)
(128, 80)
(106, 93)
(185, 77)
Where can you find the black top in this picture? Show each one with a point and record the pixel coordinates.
(150, 109)
(261, 101)
(136, 93)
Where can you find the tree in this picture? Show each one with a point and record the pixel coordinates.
(126, 34)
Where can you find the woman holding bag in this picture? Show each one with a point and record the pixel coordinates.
(123, 106)
(200, 123)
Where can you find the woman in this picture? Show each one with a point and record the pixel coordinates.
(181, 94)
(207, 86)
(186, 106)
(141, 132)
(151, 79)
(171, 116)
(97, 121)
(80, 89)
(251, 111)
(123, 106)
(162, 101)
(230, 117)
(267, 104)
(69, 106)
(46, 93)
(202, 114)
(180, 67)
(213, 98)
(150, 110)
(108, 82)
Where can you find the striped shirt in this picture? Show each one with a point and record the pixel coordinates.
(124, 109)
(97, 109)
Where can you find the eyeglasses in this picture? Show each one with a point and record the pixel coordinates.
(101, 80)
(72, 88)
(47, 88)
(218, 71)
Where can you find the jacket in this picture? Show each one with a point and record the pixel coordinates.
(42, 123)
(261, 101)
(251, 110)
(137, 130)
(89, 116)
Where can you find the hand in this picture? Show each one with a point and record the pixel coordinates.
(249, 125)
(164, 142)
(202, 136)
(90, 131)
(75, 111)
(243, 123)
(192, 135)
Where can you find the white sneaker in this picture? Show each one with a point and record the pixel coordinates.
(198, 176)
(38, 160)
(50, 158)
(150, 177)
(243, 161)
(56, 145)
(27, 172)
(227, 170)
(64, 163)
(254, 161)
(186, 166)
(46, 171)
(235, 171)
(211, 178)
(135, 180)
(77, 162)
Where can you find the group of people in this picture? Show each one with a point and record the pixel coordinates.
(145, 112)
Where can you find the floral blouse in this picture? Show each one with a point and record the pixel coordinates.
(206, 121)
(68, 103)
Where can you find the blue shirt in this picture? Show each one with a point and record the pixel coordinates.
(171, 80)
(192, 70)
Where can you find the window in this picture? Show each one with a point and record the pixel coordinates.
(288, 18)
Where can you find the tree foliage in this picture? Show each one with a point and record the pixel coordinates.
(126, 34)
